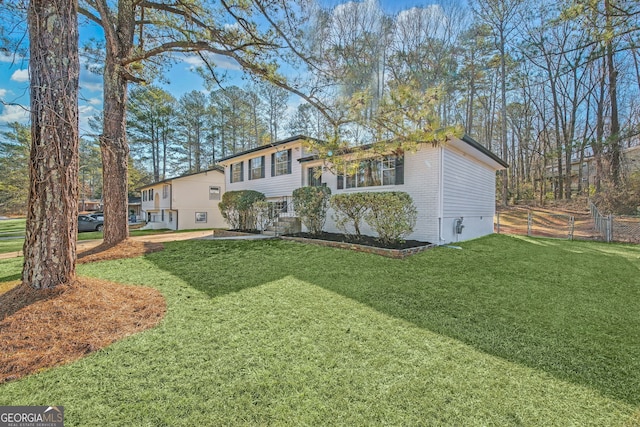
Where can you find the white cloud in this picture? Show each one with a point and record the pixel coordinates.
(20, 76)
(85, 112)
(3, 93)
(91, 86)
(193, 60)
(9, 57)
(220, 62)
(94, 101)
(14, 113)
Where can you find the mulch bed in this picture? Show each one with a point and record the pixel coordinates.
(41, 329)
(45, 328)
(363, 240)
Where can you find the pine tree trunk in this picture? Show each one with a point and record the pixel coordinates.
(115, 155)
(52, 225)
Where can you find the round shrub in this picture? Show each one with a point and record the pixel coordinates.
(311, 204)
(350, 209)
(241, 208)
(391, 214)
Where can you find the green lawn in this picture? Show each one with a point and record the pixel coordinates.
(15, 230)
(506, 331)
(12, 227)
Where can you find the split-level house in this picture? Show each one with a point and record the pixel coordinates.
(452, 184)
(185, 202)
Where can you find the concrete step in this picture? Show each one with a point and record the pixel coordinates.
(288, 219)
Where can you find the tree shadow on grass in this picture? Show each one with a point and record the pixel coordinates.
(548, 307)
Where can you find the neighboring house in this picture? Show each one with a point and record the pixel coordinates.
(451, 184)
(135, 209)
(86, 205)
(585, 172)
(185, 202)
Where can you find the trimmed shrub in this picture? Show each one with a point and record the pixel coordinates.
(311, 204)
(350, 209)
(391, 214)
(241, 209)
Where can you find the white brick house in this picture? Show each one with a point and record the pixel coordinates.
(450, 183)
(184, 202)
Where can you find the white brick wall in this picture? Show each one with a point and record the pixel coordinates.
(421, 178)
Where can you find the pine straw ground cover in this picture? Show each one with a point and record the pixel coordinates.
(46, 328)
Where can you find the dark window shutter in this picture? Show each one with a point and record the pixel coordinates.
(340, 182)
(289, 160)
(262, 167)
(273, 164)
(241, 171)
(399, 170)
(249, 171)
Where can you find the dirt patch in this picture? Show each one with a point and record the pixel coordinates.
(41, 329)
(127, 249)
(546, 223)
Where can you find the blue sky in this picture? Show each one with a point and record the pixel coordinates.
(14, 77)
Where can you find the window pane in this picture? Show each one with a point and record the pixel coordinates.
(389, 171)
(214, 193)
(314, 176)
(389, 177)
(282, 160)
(236, 172)
(256, 168)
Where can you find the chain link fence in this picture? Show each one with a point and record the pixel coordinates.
(570, 225)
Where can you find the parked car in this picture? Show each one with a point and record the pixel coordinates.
(98, 215)
(87, 223)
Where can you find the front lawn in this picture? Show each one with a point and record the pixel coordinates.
(506, 331)
(12, 227)
(15, 241)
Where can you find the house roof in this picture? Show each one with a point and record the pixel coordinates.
(213, 169)
(267, 146)
(466, 138)
(475, 144)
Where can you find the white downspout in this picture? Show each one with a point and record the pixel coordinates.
(441, 196)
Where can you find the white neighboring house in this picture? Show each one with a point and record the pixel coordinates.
(452, 185)
(185, 202)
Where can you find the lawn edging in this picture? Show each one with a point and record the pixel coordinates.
(389, 253)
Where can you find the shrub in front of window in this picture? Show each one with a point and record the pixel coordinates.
(391, 214)
(350, 209)
(241, 209)
(311, 204)
(263, 214)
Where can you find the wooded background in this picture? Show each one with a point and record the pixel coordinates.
(542, 84)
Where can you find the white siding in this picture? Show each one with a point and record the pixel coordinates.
(270, 186)
(191, 195)
(187, 195)
(468, 193)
